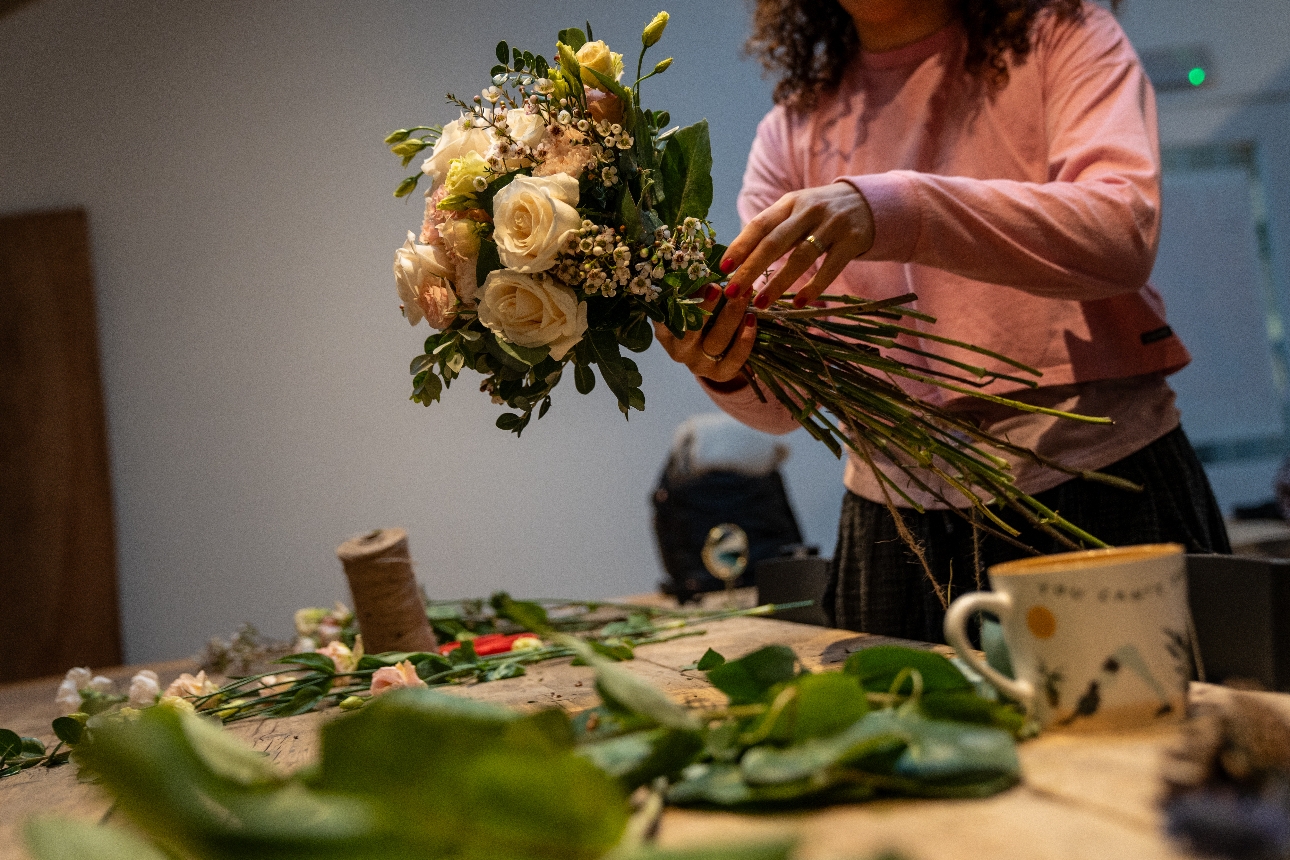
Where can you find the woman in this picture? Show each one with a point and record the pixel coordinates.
(998, 158)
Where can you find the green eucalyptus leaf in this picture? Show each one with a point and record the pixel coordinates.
(503, 53)
(528, 615)
(32, 747)
(639, 757)
(710, 660)
(750, 678)
(50, 838)
(816, 759)
(69, 730)
(818, 706)
(878, 667)
(471, 780)
(10, 743)
(627, 693)
(969, 707)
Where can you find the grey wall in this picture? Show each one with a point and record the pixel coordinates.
(253, 356)
(1247, 100)
(254, 359)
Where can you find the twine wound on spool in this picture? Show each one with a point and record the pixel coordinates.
(387, 602)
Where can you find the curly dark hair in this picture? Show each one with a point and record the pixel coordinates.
(808, 43)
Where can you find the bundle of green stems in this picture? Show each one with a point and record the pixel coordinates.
(835, 367)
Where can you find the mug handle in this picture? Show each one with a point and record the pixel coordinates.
(956, 619)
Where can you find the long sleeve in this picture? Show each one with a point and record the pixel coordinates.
(1090, 230)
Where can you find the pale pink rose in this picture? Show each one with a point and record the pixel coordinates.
(395, 677)
(191, 686)
(421, 274)
(344, 659)
(604, 107)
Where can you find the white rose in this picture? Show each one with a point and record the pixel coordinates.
(532, 216)
(421, 275)
(533, 311)
(455, 142)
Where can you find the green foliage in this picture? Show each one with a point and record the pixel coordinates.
(418, 773)
(879, 667)
(686, 169)
(749, 678)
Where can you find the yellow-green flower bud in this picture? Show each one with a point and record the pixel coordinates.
(568, 60)
(662, 65)
(463, 171)
(351, 703)
(654, 29)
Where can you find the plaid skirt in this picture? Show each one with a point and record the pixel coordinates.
(879, 586)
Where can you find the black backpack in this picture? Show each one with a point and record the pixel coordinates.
(687, 506)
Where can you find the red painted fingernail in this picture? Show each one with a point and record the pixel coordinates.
(749, 320)
(728, 266)
(762, 301)
(732, 290)
(799, 301)
(712, 293)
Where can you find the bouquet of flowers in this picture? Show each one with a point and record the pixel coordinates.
(562, 219)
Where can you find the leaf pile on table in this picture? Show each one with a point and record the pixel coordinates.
(422, 773)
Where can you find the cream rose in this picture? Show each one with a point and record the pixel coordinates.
(421, 275)
(533, 311)
(596, 55)
(459, 137)
(524, 127)
(532, 216)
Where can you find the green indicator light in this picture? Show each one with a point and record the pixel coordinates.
(1196, 76)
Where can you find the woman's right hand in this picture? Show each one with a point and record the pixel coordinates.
(719, 350)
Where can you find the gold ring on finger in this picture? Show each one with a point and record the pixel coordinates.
(715, 359)
(816, 244)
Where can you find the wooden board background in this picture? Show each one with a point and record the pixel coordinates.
(57, 545)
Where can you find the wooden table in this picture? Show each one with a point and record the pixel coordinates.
(1082, 796)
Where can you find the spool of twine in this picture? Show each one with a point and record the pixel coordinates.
(390, 613)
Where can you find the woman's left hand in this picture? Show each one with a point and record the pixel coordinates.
(833, 221)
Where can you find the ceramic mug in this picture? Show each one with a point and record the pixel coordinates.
(1098, 638)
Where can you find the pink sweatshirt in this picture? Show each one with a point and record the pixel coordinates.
(1026, 220)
